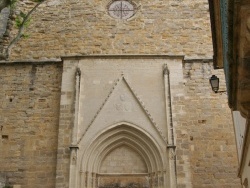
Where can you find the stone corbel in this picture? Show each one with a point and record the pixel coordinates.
(73, 154)
(73, 166)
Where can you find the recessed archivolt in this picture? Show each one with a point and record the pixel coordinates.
(118, 136)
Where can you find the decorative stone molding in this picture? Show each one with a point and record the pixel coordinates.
(115, 114)
(120, 135)
(77, 92)
(139, 100)
(122, 9)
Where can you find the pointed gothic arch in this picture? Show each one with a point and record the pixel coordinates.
(121, 135)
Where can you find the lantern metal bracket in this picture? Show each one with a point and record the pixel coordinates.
(215, 82)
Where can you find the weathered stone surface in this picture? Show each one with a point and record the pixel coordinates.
(206, 152)
(4, 30)
(123, 160)
(76, 27)
(35, 141)
(29, 113)
(123, 182)
(121, 122)
(4, 20)
(204, 131)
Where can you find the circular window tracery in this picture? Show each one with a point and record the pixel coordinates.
(121, 9)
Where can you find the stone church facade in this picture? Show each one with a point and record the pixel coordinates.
(115, 94)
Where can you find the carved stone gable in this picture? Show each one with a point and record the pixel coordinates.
(122, 134)
(123, 105)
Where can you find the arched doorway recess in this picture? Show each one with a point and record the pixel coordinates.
(123, 156)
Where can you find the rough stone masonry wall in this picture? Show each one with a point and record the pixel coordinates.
(29, 112)
(4, 25)
(206, 151)
(72, 27)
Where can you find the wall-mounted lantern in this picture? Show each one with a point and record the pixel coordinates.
(214, 81)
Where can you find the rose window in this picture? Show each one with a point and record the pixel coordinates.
(121, 9)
